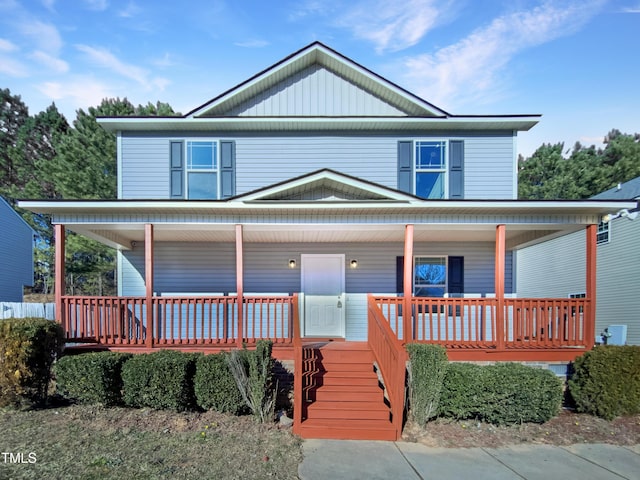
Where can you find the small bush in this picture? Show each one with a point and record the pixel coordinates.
(606, 381)
(504, 393)
(161, 380)
(91, 377)
(253, 372)
(427, 367)
(215, 386)
(28, 348)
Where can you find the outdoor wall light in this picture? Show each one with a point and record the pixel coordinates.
(622, 213)
(292, 263)
(353, 263)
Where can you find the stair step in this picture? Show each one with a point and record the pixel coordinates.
(346, 411)
(347, 356)
(329, 366)
(341, 429)
(322, 395)
(347, 379)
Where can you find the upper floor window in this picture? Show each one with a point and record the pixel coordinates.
(202, 169)
(430, 169)
(430, 276)
(602, 236)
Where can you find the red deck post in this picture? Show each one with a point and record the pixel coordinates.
(148, 273)
(407, 327)
(590, 324)
(499, 285)
(239, 284)
(59, 286)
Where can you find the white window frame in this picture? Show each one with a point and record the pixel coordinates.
(603, 228)
(444, 169)
(445, 258)
(577, 295)
(188, 170)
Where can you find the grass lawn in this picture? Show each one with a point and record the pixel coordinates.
(89, 442)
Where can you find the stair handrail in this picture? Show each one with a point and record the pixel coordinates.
(391, 358)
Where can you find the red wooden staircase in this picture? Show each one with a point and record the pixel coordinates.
(344, 398)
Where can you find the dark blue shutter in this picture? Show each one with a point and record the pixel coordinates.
(399, 275)
(177, 170)
(227, 168)
(405, 166)
(455, 275)
(456, 169)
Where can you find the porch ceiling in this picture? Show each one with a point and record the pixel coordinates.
(123, 235)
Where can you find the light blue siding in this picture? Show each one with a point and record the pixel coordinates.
(16, 254)
(208, 268)
(262, 160)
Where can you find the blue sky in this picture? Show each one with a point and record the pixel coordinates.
(577, 62)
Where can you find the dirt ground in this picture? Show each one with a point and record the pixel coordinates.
(565, 429)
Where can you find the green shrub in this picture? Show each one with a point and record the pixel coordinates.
(606, 381)
(428, 365)
(161, 380)
(91, 377)
(28, 347)
(504, 393)
(215, 386)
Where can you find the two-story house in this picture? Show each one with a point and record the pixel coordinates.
(320, 202)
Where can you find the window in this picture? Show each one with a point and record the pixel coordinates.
(430, 169)
(430, 276)
(578, 295)
(202, 169)
(602, 236)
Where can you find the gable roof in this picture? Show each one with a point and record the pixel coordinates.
(325, 185)
(393, 107)
(319, 54)
(623, 191)
(7, 211)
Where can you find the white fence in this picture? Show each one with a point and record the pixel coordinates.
(25, 310)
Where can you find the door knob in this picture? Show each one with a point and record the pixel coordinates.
(339, 304)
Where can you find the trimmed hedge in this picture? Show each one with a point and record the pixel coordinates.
(28, 348)
(606, 381)
(91, 377)
(504, 393)
(161, 380)
(428, 365)
(215, 387)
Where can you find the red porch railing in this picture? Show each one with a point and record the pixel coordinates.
(473, 323)
(391, 358)
(179, 321)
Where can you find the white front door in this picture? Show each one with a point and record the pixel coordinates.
(323, 289)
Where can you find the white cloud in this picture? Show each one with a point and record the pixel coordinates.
(44, 35)
(165, 62)
(131, 10)
(98, 5)
(394, 26)
(105, 59)
(79, 92)
(49, 4)
(468, 70)
(13, 68)
(51, 62)
(7, 46)
(309, 8)
(252, 44)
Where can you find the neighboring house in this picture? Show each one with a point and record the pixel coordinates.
(16, 254)
(618, 267)
(287, 207)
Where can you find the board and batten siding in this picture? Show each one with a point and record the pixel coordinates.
(557, 268)
(315, 91)
(263, 160)
(191, 268)
(16, 254)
